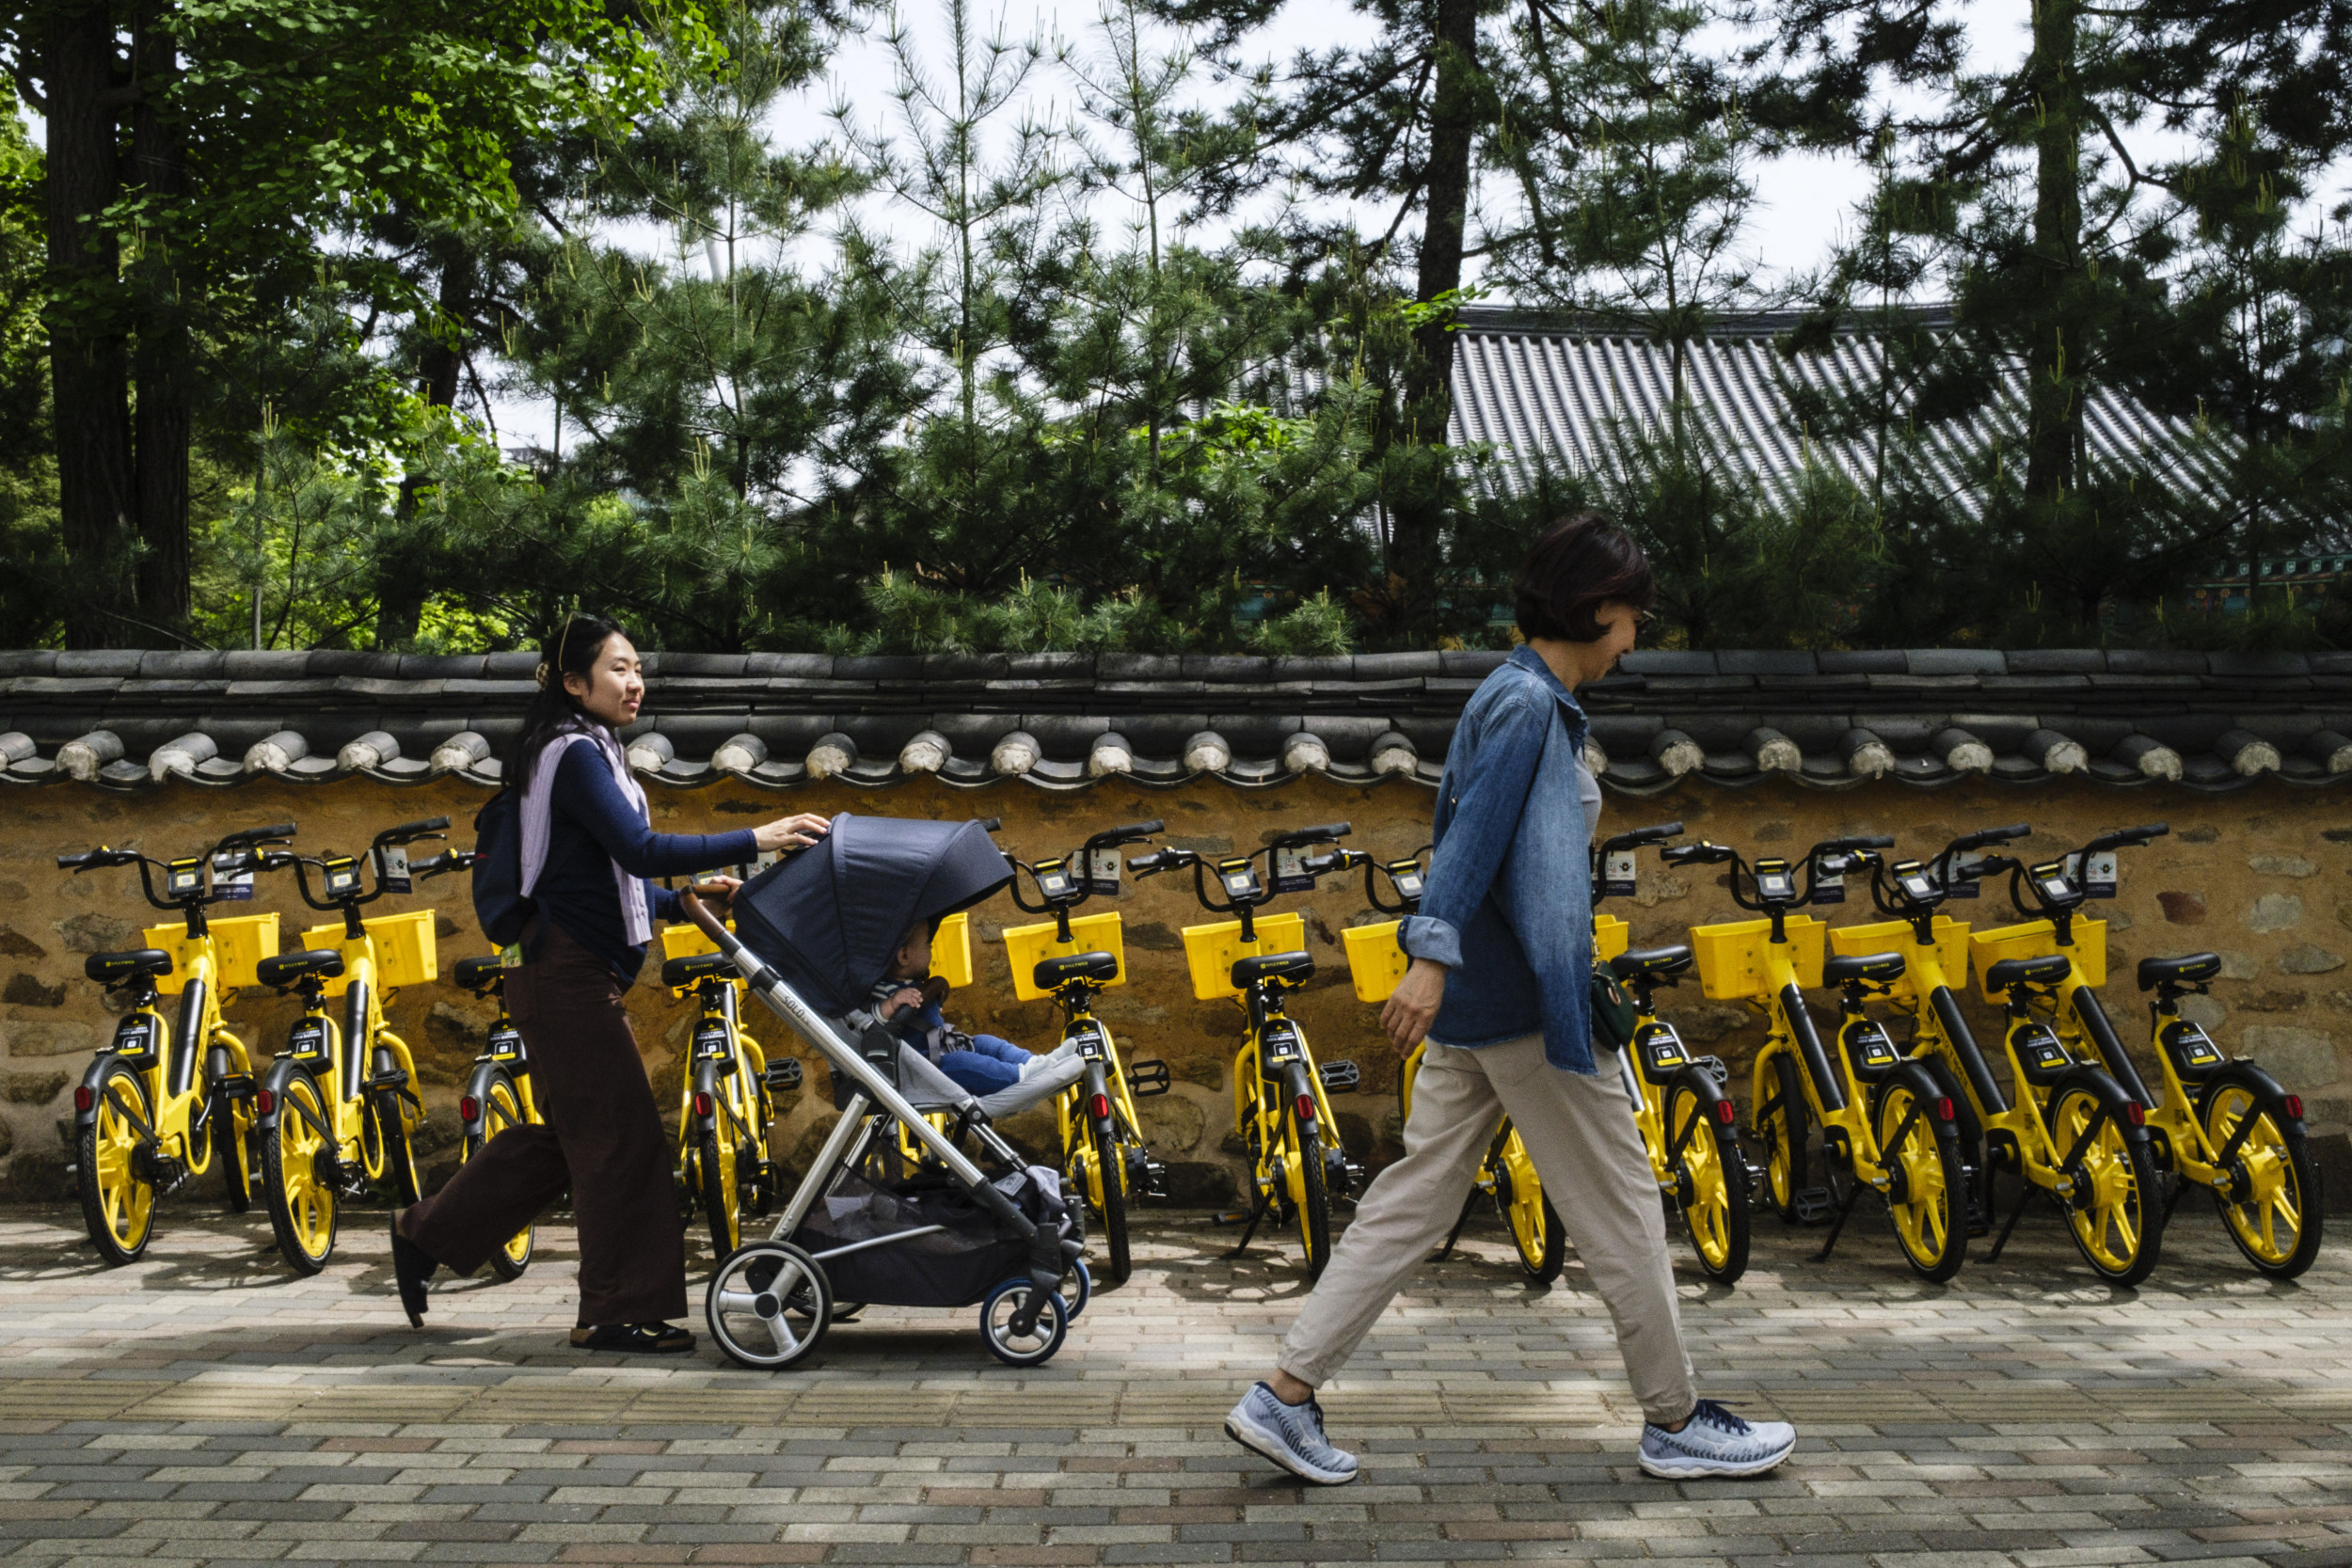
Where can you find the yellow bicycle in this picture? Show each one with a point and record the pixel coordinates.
(163, 1103)
(497, 1095)
(1885, 1122)
(1074, 960)
(338, 1109)
(728, 1095)
(1280, 1111)
(2074, 1133)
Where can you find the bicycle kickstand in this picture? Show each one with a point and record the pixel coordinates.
(2024, 1196)
(1257, 1212)
(1456, 1234)
(2180, 1190)
(1838, 1227)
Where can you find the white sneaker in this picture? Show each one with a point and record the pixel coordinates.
(1714, 1442)
(1291, 1435)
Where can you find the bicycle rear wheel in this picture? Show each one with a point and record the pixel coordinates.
(502, 1108)
(714, 1169)
(1711, 1175)
(1783, 1124)
(118, 1199)
(302, 1207)
(1535, 1229)
(2273, 1209)
(229, 1125)
(1110, 1180)
(1308, 1195)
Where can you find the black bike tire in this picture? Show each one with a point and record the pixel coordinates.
(1111, 1170)
(2306, 1182)
(399, 1158)
(1315, 1213)
(1955, 1252)
(274, 1186)
(1729, 1160)
(502, 1263)
(1797, 1124)
(230, 1149)
(2151, 1205)
(86, 1178)
(719, 1211)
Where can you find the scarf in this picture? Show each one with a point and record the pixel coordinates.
(538, 808)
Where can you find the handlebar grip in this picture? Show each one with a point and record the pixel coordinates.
(1143, 865)
(2122, 837)
(412, 829)
(1657, 831)
(76, 863)
(1705, 854)
(1142, 829)
(1860, 841)
(1322, 831)
(1983, 836)
(989, 824)
(257, 835)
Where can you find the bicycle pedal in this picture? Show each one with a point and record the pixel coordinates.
(1814, 1206)
(1154, 1183)
(1231, 1216)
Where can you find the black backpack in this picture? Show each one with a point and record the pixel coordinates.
(498, 903)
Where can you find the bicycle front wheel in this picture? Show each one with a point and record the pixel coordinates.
(1783, 1124)
(230, 1150)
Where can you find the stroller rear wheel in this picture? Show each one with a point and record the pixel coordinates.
(1033, 1349)
(768, 1305)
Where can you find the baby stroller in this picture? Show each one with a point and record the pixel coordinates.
(865, 1224)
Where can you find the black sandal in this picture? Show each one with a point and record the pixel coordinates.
(412, 1269)
(636, 1339)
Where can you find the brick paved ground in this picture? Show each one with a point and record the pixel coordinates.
(207, 1407)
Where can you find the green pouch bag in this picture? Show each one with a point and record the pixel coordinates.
(1614, 1016)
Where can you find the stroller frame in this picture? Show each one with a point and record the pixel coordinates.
(875, 1101)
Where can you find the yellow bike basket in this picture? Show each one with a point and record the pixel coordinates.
(1735, 957)
(1026, 946)
(1213, 950)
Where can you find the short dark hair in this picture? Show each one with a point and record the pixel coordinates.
(1582, 562)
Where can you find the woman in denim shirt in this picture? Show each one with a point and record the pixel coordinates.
(1500, 984)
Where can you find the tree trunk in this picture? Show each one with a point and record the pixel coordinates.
(2055, 355)
(404, 568)
(88, 376)
(161, 368)
(1453, 129)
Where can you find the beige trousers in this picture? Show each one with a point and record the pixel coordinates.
(1580, 1132)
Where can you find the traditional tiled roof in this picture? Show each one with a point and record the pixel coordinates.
(1555, 389)
(131, 720)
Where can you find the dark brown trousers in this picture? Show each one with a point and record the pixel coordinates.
(603, 1139)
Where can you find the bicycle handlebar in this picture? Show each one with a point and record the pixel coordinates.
(1131, 832)
(408, 833)
(1983, 836)
(1701, 853)
(1657, 833)
(1859, 841)
(1323, 833)
(443, 864)
(2126, 837)
(250, 837)
(98, 860)
(989, 824)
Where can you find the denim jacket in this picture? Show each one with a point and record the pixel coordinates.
(1508, 904)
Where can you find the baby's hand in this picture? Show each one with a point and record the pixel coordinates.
(905, 996)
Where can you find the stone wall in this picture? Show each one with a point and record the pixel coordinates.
(2258, 876)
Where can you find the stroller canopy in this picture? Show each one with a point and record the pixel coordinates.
(830, 918)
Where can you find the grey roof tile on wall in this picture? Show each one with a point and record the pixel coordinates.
(1907, 698)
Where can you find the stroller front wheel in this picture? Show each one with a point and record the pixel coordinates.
(768, 1305)
(1033, 1349)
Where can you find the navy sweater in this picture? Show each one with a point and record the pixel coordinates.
(592, 826)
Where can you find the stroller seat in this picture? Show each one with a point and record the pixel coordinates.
(933, 1093)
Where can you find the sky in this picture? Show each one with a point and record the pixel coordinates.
(1804, 202)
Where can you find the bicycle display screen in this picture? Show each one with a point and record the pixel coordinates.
(1054, 881)
(1773, 884)
(184, 878)
(1918, 885)
(1406, 878)
(343, 878)
(2050, 881)
(1240, 878)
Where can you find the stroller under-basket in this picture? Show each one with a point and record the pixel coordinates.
(867, 1224)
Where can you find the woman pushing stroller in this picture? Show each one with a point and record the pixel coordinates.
(585, 848)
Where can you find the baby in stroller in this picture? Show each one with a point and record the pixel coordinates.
(909, 999)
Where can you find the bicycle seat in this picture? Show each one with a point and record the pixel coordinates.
(1847, 967)
(1291, 966)
(1655, 964)
(2191, 970)
(2046, 969)
(1094, 968)
(480, 973)
(286, 968)
(678, 974)
(113, 969)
